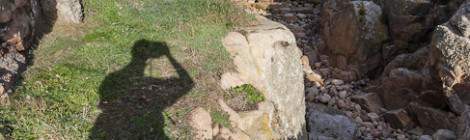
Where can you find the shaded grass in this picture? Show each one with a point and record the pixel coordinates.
(58, 97)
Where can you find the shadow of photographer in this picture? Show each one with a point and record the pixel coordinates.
(132, 103)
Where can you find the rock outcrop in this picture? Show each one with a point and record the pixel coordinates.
(354, 33)
(70, 11)
(266, 56)
(22, 24)
(415, 52)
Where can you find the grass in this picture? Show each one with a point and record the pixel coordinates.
(59, 97)
(221, 118)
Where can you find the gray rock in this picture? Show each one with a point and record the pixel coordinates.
(444, 134)
(425, 137)
(326, 123)
(325, 98)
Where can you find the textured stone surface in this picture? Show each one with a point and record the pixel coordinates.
(427, 117)
(22, 24)
(201, 122)
(353, 33)
(369, 101)
(267, 57)
(451, 46)
(70, 11)
(398, 119)
(327, 124)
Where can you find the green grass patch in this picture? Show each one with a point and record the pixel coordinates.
(60, 95)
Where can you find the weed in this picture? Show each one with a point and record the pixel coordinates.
(253, 95)
(221, 118)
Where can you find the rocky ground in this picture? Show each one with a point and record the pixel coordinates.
(346, 108)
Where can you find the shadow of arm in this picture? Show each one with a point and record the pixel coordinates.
(182, 73)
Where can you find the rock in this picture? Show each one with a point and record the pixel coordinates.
(409, 78)
(405, 24)
(444, 134)
(70, 11)
(337, 82)
(227, 134)
(343, 94)
(463, 130)
(6, 10)
(450, 49)
(201, 122)
(266, 56)
(325, 123)
(427, 117)
(215, 130)
(353, 33)
(312, 92)
(398, 119)
(341, 104)
(314, 77)
(401, 137)
(369, 101)
(373, 116)
(455, 104)
(425, 137)
(325, 98)
(22, 24)
(230, 80)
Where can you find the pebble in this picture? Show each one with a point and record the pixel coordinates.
(318, 65)
(358, 119)
(325, 98)
(341, 104)
(357, 107)
(425, 137)
(343, 94)
(444, 134)
(300, 15)
(337, 82)
(373, 116)
(401, 137)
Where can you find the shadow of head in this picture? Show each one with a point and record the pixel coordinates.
(144, 49)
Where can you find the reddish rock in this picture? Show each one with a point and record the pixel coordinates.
(369, 101)
(398, 119)
(432, 118)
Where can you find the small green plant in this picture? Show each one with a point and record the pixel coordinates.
(221, 118)
(362, 9)
(253, 95)
(362, 12)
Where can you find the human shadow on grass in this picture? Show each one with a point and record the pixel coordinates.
(132, 103)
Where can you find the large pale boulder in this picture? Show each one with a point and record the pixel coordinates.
(353, 32)
(266, 56)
